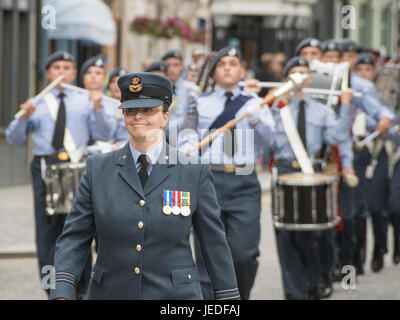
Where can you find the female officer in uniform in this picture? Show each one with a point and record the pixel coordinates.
(142, 205)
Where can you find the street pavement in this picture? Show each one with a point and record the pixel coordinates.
(19, 272)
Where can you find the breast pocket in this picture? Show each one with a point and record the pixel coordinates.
(184, 275)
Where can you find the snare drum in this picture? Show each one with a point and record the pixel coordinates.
(62, 181)
(305, 202)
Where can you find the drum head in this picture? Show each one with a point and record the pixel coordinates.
(303, 179)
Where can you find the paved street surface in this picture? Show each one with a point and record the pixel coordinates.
(19, 274)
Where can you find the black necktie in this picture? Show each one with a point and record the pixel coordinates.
(229, 148)
(301, 123)
(143, 170)
(59, 130)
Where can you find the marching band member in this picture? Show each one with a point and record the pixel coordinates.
(331, 51)
(374, 110)
(299, 251)
(93, 77)
(182, 90)
(142, 205)
(236, 183)
(61, 124)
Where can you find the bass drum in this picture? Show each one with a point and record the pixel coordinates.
(62, 181)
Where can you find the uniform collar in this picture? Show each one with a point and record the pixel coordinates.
(221, 92)
(152, 155)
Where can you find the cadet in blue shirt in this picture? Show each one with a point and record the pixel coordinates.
(74, 113)
(381, 116)
(93, 76)
(183, 90)
(142, 204)
(299, 251)
(233, 156)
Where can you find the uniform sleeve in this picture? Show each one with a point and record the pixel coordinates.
(370, 104)
(102, 125)
(210, 232)
(265, 129)
(73, 245)
(346, 153)
(337, 130)
(17, 132)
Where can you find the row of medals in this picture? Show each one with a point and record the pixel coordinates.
(175, 210)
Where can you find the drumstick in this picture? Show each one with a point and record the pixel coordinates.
(295, 80)
(45, 91)
(361, 144)
(81, 90)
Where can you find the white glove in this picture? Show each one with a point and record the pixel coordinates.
(254, 112)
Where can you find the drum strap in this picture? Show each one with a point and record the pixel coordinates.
(75, 154)
(394, 157)
(369, 172)
(295, 140)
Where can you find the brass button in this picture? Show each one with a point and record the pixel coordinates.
(140, 225)
(189, 276)
(142, 203)
(138, 248)
(92, 274)
(137, 270)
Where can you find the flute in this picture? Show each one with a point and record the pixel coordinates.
(81, 90)
(308, 90)
(45, 91)
(295, 80)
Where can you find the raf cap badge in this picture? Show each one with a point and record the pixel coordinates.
(99, 62)
(232, 52)
(314, 43)
(136, 85)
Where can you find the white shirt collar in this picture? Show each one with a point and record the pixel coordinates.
(152, 154)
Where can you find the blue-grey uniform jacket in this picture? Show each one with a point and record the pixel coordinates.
(142, 252)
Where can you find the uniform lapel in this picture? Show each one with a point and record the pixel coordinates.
(127, 170)
(160, 171)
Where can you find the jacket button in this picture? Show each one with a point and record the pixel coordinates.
(137, 270)
(140, 225)
(189, 276)
(142, 203)
(138, 248)
(92, 275)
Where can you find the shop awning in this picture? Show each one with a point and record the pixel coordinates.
(261, 8)
(83, 20)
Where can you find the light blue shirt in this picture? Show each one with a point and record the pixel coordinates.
(251, 141)
(369, 102)
(322, 126)
(81, 120)
(152, 157)
(183, 89)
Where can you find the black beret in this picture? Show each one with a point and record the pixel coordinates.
(97, 61)
(330, 45)
(159, 65)
(59, 56)
(348, 45)
(307, 42)
(295, 62)
(227, 51)
(144, 89)
(117, 72)
(366, 58)
(172, 54)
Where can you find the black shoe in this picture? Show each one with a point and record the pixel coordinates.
(325, 287)
(336, 274)
(314, 293)
(396, 257)
(377, 262)
(359, 269)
